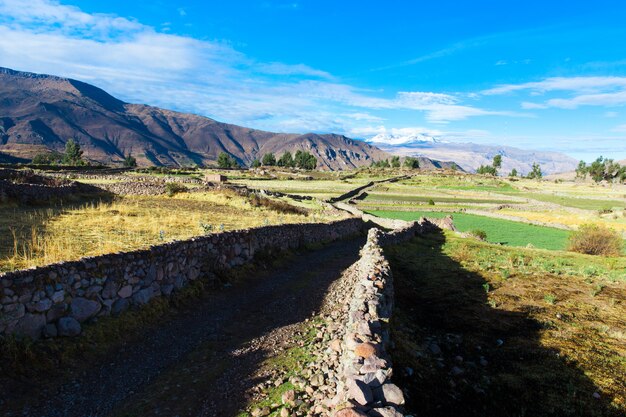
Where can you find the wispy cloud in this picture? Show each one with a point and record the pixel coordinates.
(139, 63)
(576, 84)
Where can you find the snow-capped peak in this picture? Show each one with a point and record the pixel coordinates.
(403, 139)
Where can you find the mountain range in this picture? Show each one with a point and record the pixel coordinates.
(470, 156)
(38, 113)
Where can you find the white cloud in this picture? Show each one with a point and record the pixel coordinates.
(611, 114)
(620, 129)
(530, 106)
(141, 64)
(605, 99)
(181, 11)
(576, 84)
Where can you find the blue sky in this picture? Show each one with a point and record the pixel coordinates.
(523, 73)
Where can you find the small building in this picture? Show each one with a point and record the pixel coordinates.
(215, 178)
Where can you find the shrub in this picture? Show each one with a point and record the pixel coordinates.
(478, 234)
(594, 239)
(431, 202)
(172, 188)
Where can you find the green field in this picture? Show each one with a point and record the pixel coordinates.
(581, 203)
(501, 231)
(436, 199)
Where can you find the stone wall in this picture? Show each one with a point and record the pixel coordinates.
(54, 300)
(353, 347)
(26, 187)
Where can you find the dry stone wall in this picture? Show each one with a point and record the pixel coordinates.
(356, 368)
(55, 300)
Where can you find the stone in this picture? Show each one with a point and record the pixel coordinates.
(40, 306)
(360, 392)
(13, 312)
(31, 325)
(434, 348)
(56, 311)
(143, 296)
(68, 327)
(335, 345)
(365, 350)
(120, 305)
(110, 289)
(392, 394)
(167, 289)
(385, 412)
(50, 330)
(349, 412)
(289, 397)
(83, 309)
(58, 296)
(126, 291)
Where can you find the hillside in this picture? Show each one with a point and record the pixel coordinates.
(39, 113)
(470, 155)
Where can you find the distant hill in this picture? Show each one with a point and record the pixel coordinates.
(470, 155)
(39, 113)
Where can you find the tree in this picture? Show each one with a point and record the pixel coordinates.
(286, 160)
(487, 170)
(411, 163)
(497, 161)
(226, 161)
(513, 173)
(73, 154)
(130, 161)
(256, 163)
(305, 160)
(535, 173)
(605, 169)
(52, 158)
(395, 161)
(269, 160)
(581, 170)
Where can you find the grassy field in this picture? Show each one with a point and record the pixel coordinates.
(505, 232)
(38, 236)
(490, 330)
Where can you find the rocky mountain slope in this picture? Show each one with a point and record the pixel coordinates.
(470, 155)
(38, 113)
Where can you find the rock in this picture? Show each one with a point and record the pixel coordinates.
(31, 325)
(110, 289)
(335, 345)
(119, 306)
(50, 330)
(365, 350)
(40, 306)
(68, 326)
(434, 348)
(125, 291)
(456, 371)
(349, 412)
(360, 392)
(13, 312)
(260, 412)
(392, 394)
(385, 412)
(167, 289)
(284, 413)
(57, 311)
(58, 296)
(83, 309)
(143, 296)
(289, 397)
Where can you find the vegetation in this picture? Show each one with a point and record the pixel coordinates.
(602, 170)
(73, 154)
(304, 160)
(384, 163)
(286, 160)
(513, 173)
(269, 160)
(535, 173)
(226, 161)
(411, 163)
(395, 161)
(130, 161)
(505, 232)
(256, 163)
(595, 239)
(488, 330)
(491, 169)
(173, 188)
(43, 235)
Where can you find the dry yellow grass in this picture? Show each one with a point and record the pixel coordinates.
(616, 221)
(39, 237)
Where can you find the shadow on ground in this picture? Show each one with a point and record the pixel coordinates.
(467, 358)
(197, 360)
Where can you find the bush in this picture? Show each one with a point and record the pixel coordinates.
(594, 239)
(431, 202)
(478, 234)
(172, 188)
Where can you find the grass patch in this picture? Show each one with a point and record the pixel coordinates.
(529, 342)
(506, 232)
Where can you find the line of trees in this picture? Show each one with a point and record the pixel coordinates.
(602, 169)
(301, 159)
(496, 164)
(409, 162)
(73, 155)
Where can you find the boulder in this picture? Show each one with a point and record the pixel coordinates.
(143, 296)
(360, 392)
(126, 291)
(349, 412)
(119, 306)
(68, 326)
(365, 350)
(31, 325)
(83, 309)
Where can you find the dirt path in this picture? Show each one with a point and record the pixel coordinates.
(202, 361)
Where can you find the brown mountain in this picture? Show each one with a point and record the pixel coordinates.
(38, 113)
